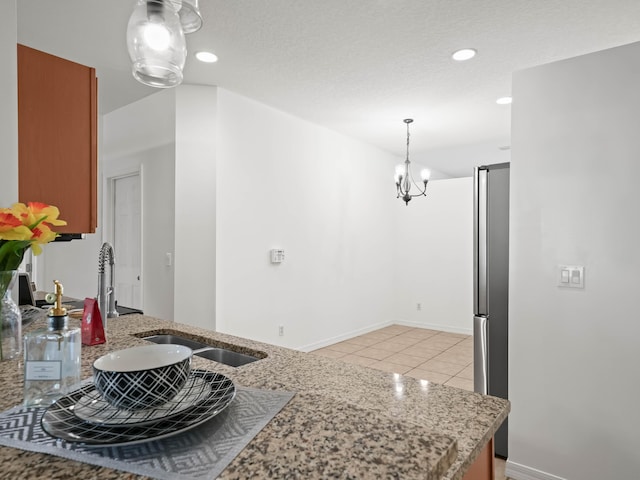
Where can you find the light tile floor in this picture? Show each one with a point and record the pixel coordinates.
(432, 355)
(438, 357)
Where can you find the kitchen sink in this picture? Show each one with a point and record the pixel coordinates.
(217, 354)
(176, 340)
(228, 357)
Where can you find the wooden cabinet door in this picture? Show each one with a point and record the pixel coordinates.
(483, 468)
(57, 137)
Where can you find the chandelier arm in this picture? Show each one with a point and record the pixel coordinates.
(421, 190)
(421, 194)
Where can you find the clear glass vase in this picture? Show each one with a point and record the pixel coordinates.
(10, 318)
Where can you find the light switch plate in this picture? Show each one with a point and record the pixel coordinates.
(571, 276)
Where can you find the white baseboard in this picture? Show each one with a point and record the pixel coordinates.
(517, 471)
(343, 337)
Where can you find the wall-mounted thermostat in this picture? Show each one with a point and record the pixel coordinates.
(277, 255)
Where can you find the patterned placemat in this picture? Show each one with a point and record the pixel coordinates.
(203, 452)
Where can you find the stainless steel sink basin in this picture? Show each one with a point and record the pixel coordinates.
(220, 355)
(176, 340)
(227, 357)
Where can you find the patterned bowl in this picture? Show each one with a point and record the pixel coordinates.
(142, 377)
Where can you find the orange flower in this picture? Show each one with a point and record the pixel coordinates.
(49, 211)
(41, 234)
(11, 226)
(35, 212)
(24, 226)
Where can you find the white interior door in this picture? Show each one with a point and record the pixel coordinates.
(127, 240)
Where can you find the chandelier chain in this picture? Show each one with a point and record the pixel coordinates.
(407, 141)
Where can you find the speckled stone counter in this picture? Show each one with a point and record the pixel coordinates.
(345, 421)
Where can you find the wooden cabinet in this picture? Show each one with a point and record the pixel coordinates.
(483, 468)
(57, 137)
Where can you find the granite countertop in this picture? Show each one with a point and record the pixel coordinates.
(345, 421)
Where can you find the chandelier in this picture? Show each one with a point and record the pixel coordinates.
(404, 179)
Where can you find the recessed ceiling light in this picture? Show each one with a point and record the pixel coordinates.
(464, 54)
(207, 57)
(504, 100)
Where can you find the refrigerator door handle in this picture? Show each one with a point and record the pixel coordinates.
(480, 354)
(480, 246)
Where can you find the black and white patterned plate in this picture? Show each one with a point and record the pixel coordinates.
(60, 421)
(92, 408)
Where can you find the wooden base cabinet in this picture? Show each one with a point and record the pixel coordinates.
(57, 137)
(483, 468)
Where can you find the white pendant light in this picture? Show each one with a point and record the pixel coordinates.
(190, 17)
(156, 43)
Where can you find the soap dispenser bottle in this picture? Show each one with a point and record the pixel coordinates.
(51, 357)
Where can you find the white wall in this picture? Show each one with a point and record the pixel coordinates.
(195, 206)
(434, 261)
(141, 137)
(168, 138)
(74, 264)
(9, 102)
(155, 165)
(455, 161)
(328, 201)
(574, 354)
(141, 125)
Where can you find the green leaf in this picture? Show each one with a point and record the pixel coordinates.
(12, 253)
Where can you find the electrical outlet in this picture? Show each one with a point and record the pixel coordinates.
(418, 306)
(281, 330)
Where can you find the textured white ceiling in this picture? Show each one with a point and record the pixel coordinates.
(356, 66)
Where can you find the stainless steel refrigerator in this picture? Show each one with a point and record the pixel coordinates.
(491, 287)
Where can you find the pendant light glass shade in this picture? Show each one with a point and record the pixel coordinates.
(190, 17)
(156, 43)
